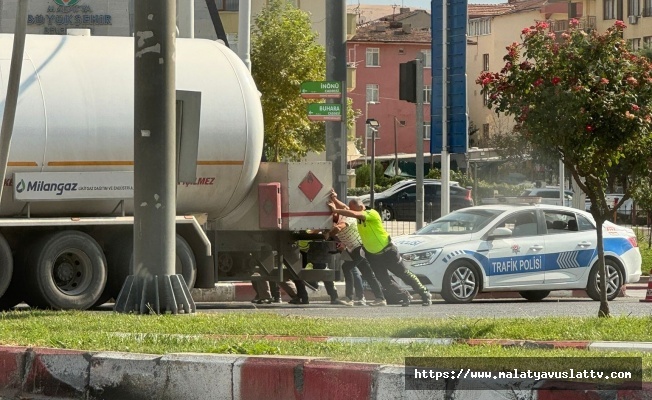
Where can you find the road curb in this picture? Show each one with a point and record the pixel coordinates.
(243, 291)
(67, 374)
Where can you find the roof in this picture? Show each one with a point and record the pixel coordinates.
(512, 6)
(367, 13)
(393, 28)
(488, 10)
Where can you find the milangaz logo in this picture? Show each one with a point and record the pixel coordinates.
(42, 186)
(66, 2)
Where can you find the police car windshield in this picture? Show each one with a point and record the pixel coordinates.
(460, 222)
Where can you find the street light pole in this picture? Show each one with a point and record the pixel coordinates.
(373, 125)
(366, 118)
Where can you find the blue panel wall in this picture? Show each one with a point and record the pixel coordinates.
(457, 113)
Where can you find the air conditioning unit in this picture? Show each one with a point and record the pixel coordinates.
(633, 19)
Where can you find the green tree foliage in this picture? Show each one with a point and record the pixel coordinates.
(285, 54)
(584, 98)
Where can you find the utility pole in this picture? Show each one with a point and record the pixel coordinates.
(336, 71)
(153, 286)
(419, 143)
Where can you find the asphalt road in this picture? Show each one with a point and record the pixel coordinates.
(477, 309)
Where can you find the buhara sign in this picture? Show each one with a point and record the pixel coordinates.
(67, 14)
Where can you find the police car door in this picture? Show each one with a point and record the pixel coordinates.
(517, 260)
(570, 246)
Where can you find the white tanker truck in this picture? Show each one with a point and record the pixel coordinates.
(66, 219)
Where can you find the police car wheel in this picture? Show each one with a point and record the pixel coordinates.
(614, 281)
(534, 295)
(461, 283)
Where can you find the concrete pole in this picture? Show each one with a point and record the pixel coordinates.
(445, 155)
(244, 32)
(562, 183)
(154, 287)
(186, 18)
(336, 71)
(13, 88)
(372, 171)
(419, 144)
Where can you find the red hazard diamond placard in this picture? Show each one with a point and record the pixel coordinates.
(310, 186)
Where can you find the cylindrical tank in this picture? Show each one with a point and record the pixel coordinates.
(76, 111)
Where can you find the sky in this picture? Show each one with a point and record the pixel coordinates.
(415, 3)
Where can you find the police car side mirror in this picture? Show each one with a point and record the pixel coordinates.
(500, 233)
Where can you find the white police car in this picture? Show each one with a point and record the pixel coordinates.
(531, 249)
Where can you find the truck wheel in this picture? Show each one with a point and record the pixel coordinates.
(66, 271)
(6, 265)
(614, 281)
(120, 260)
(186, 264)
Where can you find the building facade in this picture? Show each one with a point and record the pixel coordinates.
(376, 51)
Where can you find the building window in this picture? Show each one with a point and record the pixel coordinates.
(426, 131)
(485, 98)
(427, 94)
(479, 27)
(485, 131)
(373, 57)
(613, 9)
(485, 62)
(427, 58)
(227, 5)
(401, 51)
(634, 44)
(647, 42)
(372, 93)
(370, 132)
(647, 8)
(633, 8)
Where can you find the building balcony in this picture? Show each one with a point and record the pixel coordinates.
(561, 25)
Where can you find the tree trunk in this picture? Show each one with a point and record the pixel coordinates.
(604, 304)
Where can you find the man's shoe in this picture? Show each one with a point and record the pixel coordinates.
(342, 302)
(255, 300)
(360, 302)
(406, 301)
(378, 303)
(277, 300)
(426, 299)
(298, 300)
(264, 301)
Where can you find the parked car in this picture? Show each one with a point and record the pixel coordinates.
(399, 201)
(550, 195)
(529, 249)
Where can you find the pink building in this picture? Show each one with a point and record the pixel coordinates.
(376, 51)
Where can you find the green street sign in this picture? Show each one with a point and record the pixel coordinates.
(321, 90)
(324, 112)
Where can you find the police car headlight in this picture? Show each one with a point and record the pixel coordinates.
(422, 258)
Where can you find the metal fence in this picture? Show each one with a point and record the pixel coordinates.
(632, 217)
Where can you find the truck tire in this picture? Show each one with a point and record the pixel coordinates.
(6, 265)
(186, 264)
(65, 271)
(120, 260)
